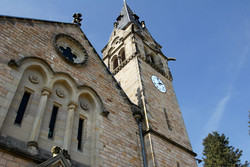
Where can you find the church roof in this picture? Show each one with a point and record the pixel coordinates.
(127, 16)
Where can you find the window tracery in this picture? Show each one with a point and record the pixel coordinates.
(70, 49)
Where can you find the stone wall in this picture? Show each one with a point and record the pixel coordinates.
(128, 77)
(10, 160)
(168, 155)
(108, 141)
(156, 101)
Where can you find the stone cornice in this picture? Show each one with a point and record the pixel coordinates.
(125, 62)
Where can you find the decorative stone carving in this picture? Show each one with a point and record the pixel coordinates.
(32, 143)
(56, 150)
(84, 104)
(60, 93)
(12, 63)
(34, 79)
(77, 19)
(143, 24)
(66, 154)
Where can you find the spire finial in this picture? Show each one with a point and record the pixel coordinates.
(124, 1)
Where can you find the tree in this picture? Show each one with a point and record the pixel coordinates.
(218, 153)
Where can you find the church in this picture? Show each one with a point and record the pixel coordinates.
(62, 105)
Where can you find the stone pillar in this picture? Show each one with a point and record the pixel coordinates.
(33, 139)
(69, 125)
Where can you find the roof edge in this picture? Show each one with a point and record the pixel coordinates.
(5, 17)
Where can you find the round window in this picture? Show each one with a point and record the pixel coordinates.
(70, 49)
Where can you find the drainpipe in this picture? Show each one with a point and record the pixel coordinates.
(137, 115)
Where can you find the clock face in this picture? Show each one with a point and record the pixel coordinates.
(158, 84)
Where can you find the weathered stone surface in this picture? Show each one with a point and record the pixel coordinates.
(165, 136)
(104, 138)
(29, 62)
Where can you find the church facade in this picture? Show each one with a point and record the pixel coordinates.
(62, 105)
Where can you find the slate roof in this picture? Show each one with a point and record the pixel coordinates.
(127, 16)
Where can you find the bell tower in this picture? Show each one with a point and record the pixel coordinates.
(138, 64)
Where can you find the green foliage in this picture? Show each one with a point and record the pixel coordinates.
(218, 153)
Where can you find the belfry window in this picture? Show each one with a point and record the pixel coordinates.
(22, 107)
(79, 134)
(150, 59)
(115, 63)
(122, 53)
(52, 121)
(167, 120)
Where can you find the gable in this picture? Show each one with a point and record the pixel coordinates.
(71, 92)
(34, 44)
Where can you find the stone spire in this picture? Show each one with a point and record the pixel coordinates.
(127, 16)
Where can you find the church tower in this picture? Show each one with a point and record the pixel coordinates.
(140, 67)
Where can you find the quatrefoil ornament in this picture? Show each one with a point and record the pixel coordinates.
(68, 54)
(70, 49)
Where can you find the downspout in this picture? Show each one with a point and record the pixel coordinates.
(137, 115)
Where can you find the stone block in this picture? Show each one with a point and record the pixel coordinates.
(3, 161)
(8, 157)
(12, 164)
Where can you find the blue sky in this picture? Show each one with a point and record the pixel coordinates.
(209, 38)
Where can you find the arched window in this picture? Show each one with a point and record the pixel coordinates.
(115, 62)
(122, 54)
(150, 58)
(22, 111)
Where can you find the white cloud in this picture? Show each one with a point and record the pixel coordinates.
(215, 119)
(212, 124)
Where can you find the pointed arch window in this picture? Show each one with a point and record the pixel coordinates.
(122, 54)
(115, 62)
